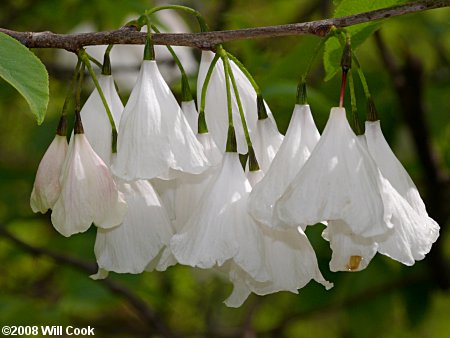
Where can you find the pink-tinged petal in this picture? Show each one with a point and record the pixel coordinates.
(46, 188)
(97, 127)
(88, 192)
(144, 232)
(301, 138)
(220, 228)
(155, 139)
(350, 252)
(339, 181)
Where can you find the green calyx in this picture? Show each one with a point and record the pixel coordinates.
(106, 68)
(372, 114)
(202, 126)
(62, 126)
(78, 127)
(301, 92)
(231, 146)
(253, 164)
(149, 50)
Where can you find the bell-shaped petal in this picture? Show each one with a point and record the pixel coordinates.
(216, 109)
(266, 141)
(300, 139)
(88, 192)
(191, 114)
(220, 229)
(190, 188)
(339, 181)
(46, 188)
(290, 261)
(144, 232)
(155, 139)
(414, 231)
(97, 127)
(350, 252)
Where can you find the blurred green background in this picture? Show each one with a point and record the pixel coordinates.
(407, 68)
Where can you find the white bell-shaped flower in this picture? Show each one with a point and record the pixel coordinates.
(155, 139)
(339, 181)
(289, 259)
(191, 114)
(300, 139)
(266, 141)
(97, 127)
(190, 188)
(216, 103)
(144, 232)
(414, 231)
(47, 188)
(220, 229)
(88, 192)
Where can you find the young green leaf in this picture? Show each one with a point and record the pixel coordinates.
(359, 33)
(26, 73)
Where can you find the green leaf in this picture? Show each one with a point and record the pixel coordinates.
(358, 33)
(26, 73)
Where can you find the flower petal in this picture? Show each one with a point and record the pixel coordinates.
(97, 127)
(88, 192)
(154, 135)
(46, 188)
(339, 181)
(220, 228)
(350, 252)
(146, 229)
(301, 138)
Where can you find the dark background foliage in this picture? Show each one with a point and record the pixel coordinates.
(407, 66)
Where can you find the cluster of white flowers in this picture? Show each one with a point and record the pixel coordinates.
(174, 195)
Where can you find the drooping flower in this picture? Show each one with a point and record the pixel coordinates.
(145, 231)
(289, 260)
(88, 191)
(216, 103)
(47, 188)
(339, 181)
(97, 127)
(301, 138)
(414, 231)
(220, 229)
(155, 139)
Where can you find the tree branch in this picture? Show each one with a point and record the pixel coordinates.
(142, 308)
(208, 40)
